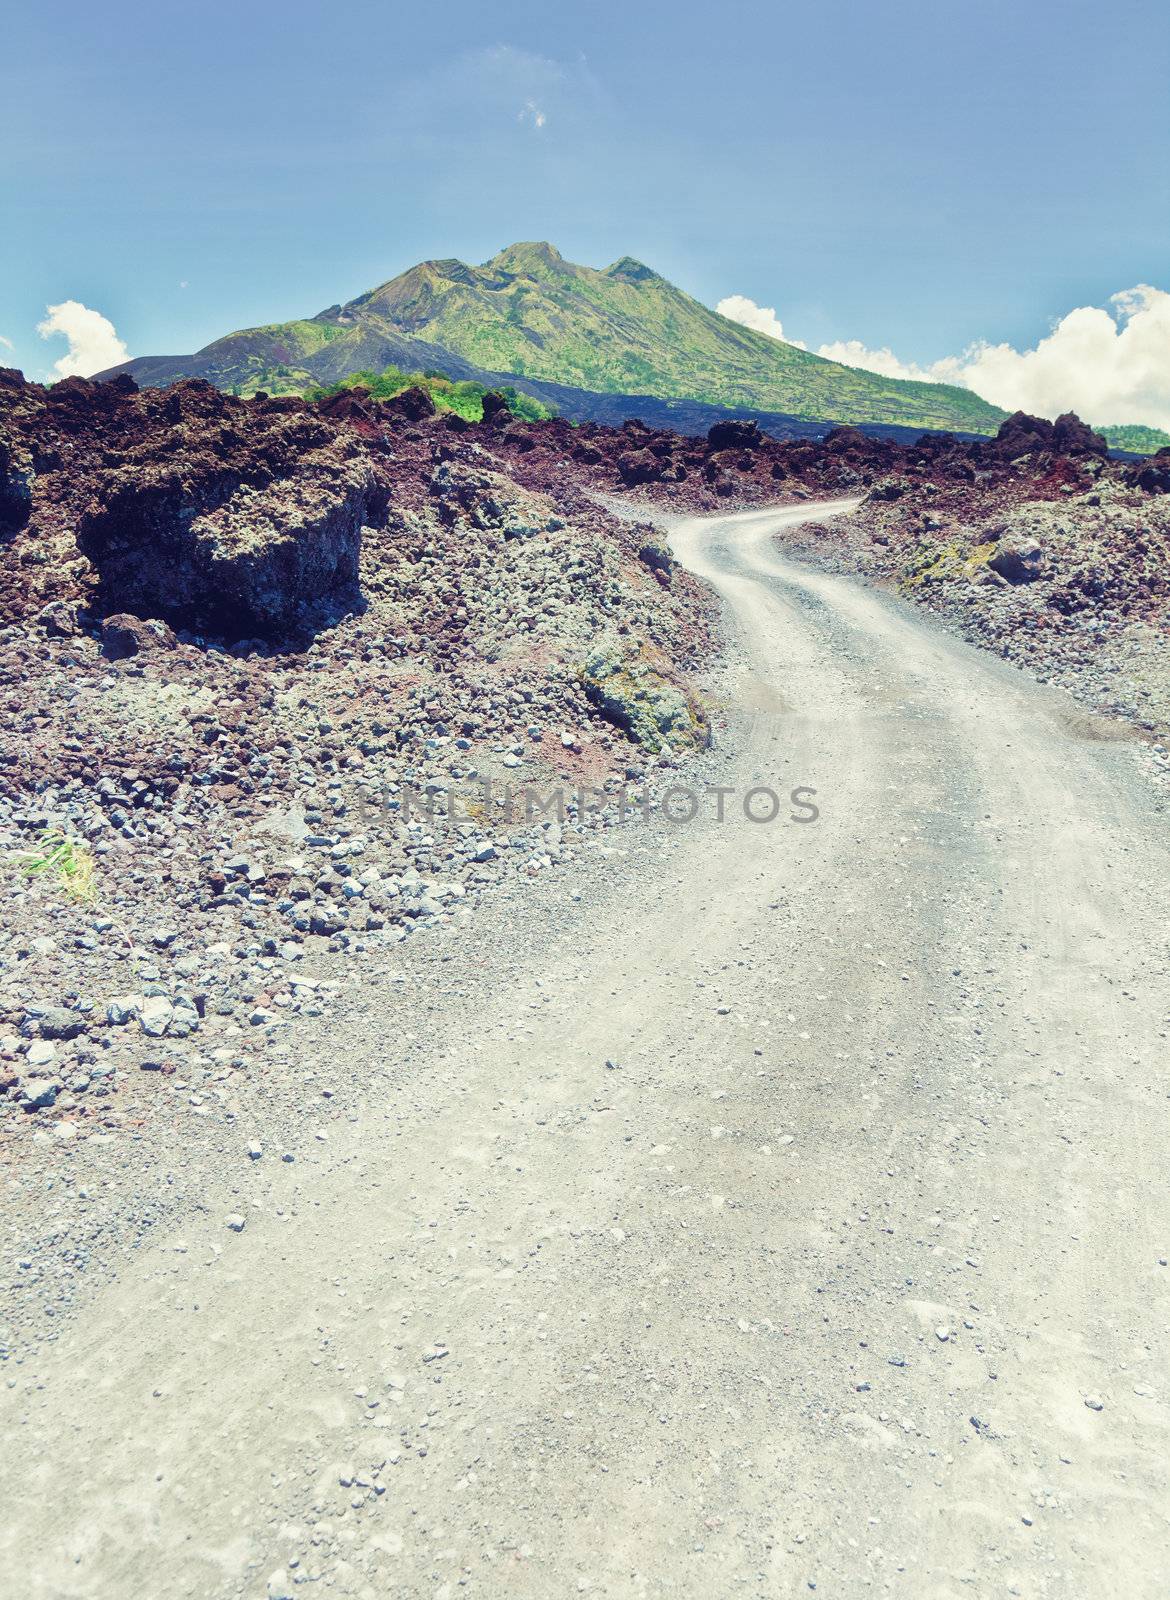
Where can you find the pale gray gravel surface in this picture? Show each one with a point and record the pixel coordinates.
(788, 1211)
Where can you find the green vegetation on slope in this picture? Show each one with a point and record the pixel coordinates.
(464, 397)
(1137, 440)
(626, 330)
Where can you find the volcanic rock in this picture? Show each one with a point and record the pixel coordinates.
(1068, 435)
(639, 466)
(1073, 437)
(195, 542)
(634, 694)
(124, 635)
(496, 412)
(1154, 475)
(735, 434)
(16, 478)
(1019, 559)
(414, 404)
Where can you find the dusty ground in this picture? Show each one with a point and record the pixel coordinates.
(753, 1208)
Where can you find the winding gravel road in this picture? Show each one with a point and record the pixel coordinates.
(848, 1273)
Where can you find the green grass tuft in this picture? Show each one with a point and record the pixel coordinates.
(67, 860)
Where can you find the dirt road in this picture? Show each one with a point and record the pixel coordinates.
(791, 1213)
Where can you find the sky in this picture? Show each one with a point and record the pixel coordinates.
(913, 183)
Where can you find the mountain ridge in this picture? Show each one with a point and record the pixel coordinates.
(528, 313)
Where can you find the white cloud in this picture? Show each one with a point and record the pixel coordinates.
(1109, 366)
(852, 353)
(762, 318)
(93, 340)
(7, 343)
(532, 113)
(1106, 365)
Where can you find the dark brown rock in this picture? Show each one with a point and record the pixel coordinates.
(1154, 475)
(639, 466)
(495, 409)
(735, 434)
(124, 635)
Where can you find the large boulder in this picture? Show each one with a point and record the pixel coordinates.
(1154, 475)
(124, 636)
(245, 565)
(1019, 558)
(415, 404)
(347, 404)
(735, 434)
(1023, 435)
(496, 411)
(846, 440)
(639, 466)
(230, 531)
(1073, 437)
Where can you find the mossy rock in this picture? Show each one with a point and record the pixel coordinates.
(630, 689)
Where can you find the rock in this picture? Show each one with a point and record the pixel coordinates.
(61, 619)
(722, 467)
(57, 1022)
(735, 434)
(235, 539)
(16, 481)
(185, 1018)
(326, 921)
(155, 1015)
(124, 636)
(1153, 475)
(41, 1053)
(496, 412)
(414, 404)
(1072, 437)
(639, 466)
(1018, 558)
(37, 1094)
(1022, 434)
(123, 1008)
(631, 691)
(846, 440)
(235, 1222)
(889, 489)
(656, 556)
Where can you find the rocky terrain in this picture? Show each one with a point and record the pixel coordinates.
(406, 1199)
(1035, 544)
(267, 675)
(269, 670)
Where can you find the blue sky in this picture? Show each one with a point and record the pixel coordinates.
(917, 175)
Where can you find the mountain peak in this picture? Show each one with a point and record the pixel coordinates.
(527, 254)
(630, 269)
